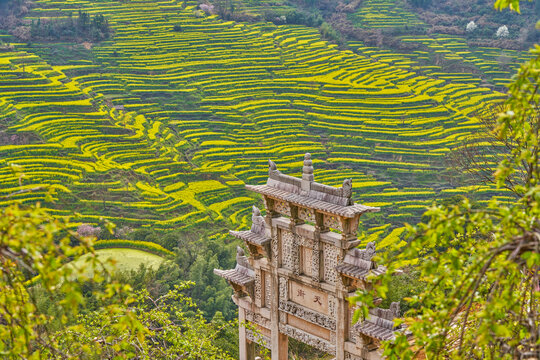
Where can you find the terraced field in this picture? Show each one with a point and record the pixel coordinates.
(479, 65)
(385, 14)
(162, 128)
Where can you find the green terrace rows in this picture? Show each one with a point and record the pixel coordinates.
(82, 143)
(479, 65)
(384, 14)
(165, 126)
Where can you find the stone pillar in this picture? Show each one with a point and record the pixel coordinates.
(247, 348)
(341, 327)
(342, 311)
(280, 342)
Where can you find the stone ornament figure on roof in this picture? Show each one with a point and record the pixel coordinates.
(257, 221)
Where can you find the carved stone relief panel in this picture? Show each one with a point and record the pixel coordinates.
(267, 289)
(275, 248)
(282, 207)
(287, 250)
(262, 340)
(351, 335)
(332, 306)
(308, 315)
(306, 214)
(309, 327)
(258, 286)
(332, 222)
(283, 289)
(308, 339)
(331, 258)
(258, 319)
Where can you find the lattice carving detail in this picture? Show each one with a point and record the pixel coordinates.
(267, 289)
(282, 208)
(331, 258)
(275, 249)
(290, 251)
(283, 289)
(306, 214)
(296, 254)
(258, 286)
(352, 333)
(287, 250)
(332, 222)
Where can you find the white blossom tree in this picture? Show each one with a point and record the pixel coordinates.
(502, 32)
(471, 26)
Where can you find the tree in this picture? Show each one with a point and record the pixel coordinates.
(502, 32)
(481, 266)
(471, 26)
(477, 157)
(35, 249)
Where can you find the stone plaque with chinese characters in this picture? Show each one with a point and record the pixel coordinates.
(307, 296)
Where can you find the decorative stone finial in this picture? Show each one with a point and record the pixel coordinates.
(271, 166)
(369, 253)
(346, 189)
(394, 307)
(257, 221)
(239, 252)
(307, 170)
(256, 211)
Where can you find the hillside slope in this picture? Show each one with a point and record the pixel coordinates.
(161, 128)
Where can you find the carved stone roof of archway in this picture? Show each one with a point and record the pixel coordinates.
(309, 202)
(308, 193)
(250, 237)
(380, 323)
(242, 274)
(358, 263)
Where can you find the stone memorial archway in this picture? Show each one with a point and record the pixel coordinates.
(303, 265)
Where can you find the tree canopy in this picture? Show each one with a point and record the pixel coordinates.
(34, 251)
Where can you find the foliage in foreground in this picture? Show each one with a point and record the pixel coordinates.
(126, 324)
(481, 266)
